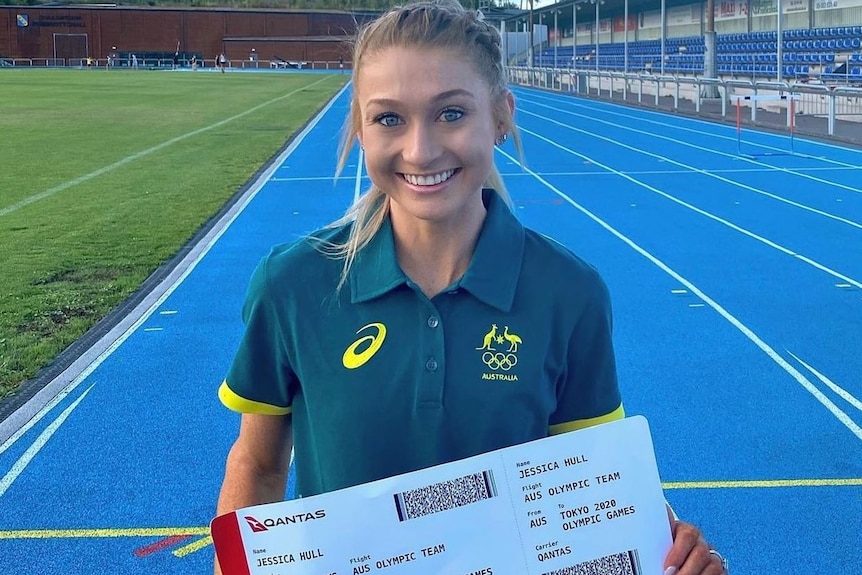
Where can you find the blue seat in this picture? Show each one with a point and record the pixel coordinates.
(856, 43)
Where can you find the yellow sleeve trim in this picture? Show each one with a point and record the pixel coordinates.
(618, 413)
(236, 403)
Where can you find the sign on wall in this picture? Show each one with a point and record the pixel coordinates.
(835, 4)
(620, 25)
(731, 10)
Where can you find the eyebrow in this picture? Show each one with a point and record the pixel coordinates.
(441, 96)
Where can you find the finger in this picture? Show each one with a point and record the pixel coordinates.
(685, 539)
(699, 562)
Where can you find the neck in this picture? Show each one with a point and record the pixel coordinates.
(435, 254)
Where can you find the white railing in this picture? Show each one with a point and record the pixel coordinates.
(703, 96)
(146, 63)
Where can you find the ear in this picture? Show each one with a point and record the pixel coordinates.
(502, 125)
(510, 101)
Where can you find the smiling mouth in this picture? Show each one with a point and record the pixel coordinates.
(430, 179)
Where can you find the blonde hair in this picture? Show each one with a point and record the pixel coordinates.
(426, 24)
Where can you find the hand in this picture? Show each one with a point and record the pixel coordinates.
(690, 553)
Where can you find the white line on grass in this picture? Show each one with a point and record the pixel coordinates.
(708, 173)
(727, 223)
(793, 372)
(138, 155)
(24, 418)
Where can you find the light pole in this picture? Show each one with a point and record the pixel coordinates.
(596, 2)
(663, 32)
(532, 60)
(626, 38)
(575, 9)
(779, 52)
(556, 37)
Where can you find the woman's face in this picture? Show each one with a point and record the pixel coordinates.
(428, 128)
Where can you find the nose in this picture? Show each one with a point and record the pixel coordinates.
(421, 145)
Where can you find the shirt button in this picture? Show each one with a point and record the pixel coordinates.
(431, 364)
(433, 321)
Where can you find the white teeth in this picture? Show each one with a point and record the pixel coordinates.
(429, 180)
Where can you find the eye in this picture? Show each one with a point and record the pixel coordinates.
(388, 119)
(451, 114)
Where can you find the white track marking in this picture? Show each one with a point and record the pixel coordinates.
(844, 394)
(731, 225)
(606, 106)
(771, 353)
(707, 173)
(23, 461)
(22, 420)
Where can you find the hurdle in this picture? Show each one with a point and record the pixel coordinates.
(791, 100)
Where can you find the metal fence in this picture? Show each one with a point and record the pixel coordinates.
(148, 63)
(818, 109)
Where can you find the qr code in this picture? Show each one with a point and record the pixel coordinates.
(627, 563)
(445, 495)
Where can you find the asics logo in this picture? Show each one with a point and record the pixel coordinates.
(353, 358)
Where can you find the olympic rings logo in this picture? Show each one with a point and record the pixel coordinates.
(504, 361)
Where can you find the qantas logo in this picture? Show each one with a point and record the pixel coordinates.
(256, 526)
(270, 522)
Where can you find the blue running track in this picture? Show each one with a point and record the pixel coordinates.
(737, 289)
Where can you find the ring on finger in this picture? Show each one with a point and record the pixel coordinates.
(720, 558)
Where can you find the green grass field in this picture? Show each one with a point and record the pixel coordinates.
(74, 244)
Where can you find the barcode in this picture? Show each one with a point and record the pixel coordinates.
(627, 563)
(445, 495)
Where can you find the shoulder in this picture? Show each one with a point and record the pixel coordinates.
(307, 261)
(560, 269)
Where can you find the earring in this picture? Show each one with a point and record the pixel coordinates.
(501, 139)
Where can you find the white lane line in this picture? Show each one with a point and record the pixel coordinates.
(154, 329)
(309, 179)
(357, 188)
(697, 305)
(770, 167)
(137, 156)
(597, 173)
(40, 442)
(843, 285)
(841, 392)
(731, 225)
(707, 173)
(773, 355)
(678, 291)
(607, 107)
(23, 419)
(168, 312)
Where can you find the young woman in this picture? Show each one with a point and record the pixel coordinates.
(427, 325)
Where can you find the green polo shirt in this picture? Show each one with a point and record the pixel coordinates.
(380, 380)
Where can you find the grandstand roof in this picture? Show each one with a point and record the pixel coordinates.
(607, 7)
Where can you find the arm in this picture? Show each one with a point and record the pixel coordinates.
(257, 465)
